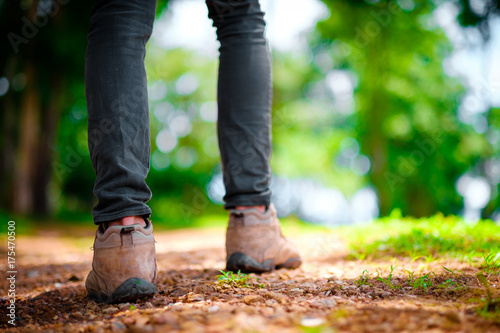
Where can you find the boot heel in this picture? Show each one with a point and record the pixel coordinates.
(241, 262)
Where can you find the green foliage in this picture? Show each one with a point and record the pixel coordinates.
(423, 282)
(297, 135)
(387, 280)
(307, 135)
(405, 115)
(231, 279)
(491, 307)
(415, 282)
(470, 17)
(491, 263)
(426, 238)
(363, 279)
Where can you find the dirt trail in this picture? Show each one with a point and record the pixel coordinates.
(329, 293)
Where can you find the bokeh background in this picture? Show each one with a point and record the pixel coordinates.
(380, 107)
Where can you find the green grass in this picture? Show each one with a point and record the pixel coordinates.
(490, 308)
(363, 279)
(229, 278)
(425, 239)
(445, 280)
(387, 280)
(491, 263)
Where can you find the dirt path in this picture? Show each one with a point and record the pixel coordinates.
(329, 293)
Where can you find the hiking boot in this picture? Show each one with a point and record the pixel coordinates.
(124, 265)
(255, 244)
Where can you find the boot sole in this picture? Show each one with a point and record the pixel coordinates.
(130, 290)
(241, 262)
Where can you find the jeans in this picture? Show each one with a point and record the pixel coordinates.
(118, 115)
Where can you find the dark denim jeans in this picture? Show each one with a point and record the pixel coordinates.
(118, 116)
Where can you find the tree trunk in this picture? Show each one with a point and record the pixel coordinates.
(29, 135)
(51, 115)
(8, 141)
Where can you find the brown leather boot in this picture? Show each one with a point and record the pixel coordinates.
(124, 265)
(255, 244)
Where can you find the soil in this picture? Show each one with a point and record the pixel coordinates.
(329, 293)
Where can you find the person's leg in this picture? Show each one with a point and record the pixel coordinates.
(124, 263)
(254, 242)
(244, 101)
(118, 117)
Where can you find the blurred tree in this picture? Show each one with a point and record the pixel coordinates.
(406, 105)
(42, 59)
(477, 13)
(42, 63)
(303, 143)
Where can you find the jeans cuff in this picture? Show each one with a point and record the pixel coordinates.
(257, 200)
(145, 212)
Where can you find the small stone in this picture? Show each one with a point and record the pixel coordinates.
(140, 322)
(117, 327)
(110, 309)
(322, 303)
(322, 281)
(33, 274)
(250, 299)
(213, 308)
(278, 297)
(124, 306)
(178, 292)
(271, 302)
(194, 298)
(296, 290)
(312, 322)
(164, 318)
(453, 317)
(378, 292)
